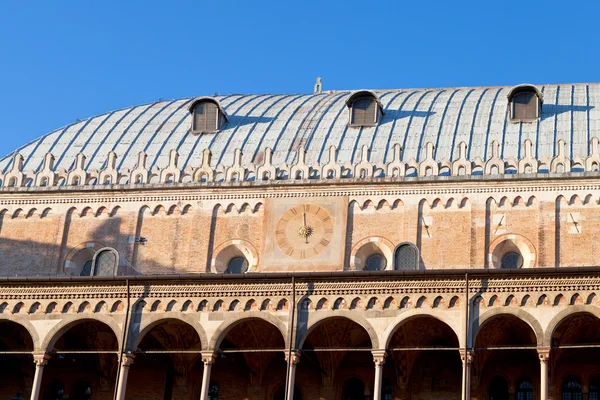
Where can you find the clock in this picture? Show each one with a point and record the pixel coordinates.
(304, 231)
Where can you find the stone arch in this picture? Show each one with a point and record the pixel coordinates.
(524, 316)
(232, 321)
(416, 313)
(353, 317)
(229, 249)
(561, 316)
(153, 320)
(25, 323)
(70, 321)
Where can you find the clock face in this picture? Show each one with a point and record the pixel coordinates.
(304, 231)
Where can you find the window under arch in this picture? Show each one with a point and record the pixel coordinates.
(237, 265)
(354, 389)
(571, 389)
(525, 389)
(406, 257)
(512, 259)
(375, 262)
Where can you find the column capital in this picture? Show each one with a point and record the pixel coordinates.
(127, 359)
(544, 354)
(41, 359)
(466, 356)
(379, 357)
(295, 357)
(209, 357)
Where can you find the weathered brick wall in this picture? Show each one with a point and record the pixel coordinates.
(451, 230)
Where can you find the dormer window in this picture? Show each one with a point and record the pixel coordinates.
(525, 103)
(207, 116)
(365, 108)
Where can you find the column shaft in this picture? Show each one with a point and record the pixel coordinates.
(40, 361)
(208, 360)
(379, 360)
(544, 355)
(467, 358)
(291, 382)
(126, 362)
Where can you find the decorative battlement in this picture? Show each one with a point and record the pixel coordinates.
(332, 170)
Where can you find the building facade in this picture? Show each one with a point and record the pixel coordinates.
(402, 244)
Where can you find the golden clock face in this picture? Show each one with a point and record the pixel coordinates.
(304, 231)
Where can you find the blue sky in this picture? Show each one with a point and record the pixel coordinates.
(69, 60)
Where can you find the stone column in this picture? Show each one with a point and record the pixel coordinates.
(544, 355)
(292, 362)
(208, 359)
(126, 362)
(40, 361)
(467, 359)
(379, 360)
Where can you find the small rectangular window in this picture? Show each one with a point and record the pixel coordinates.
(364, 111)
(525, 106)
(206, 116)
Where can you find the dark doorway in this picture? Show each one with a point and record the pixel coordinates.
(280, 393)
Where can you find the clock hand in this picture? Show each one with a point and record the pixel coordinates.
(305, 226)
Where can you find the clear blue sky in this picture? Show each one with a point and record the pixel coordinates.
(67, 60)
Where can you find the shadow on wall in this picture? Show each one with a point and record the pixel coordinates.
(29, 257)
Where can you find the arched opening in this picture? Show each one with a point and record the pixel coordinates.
(567, 357)
(498, 389)
(251, 356)
(80, 264)
(168, 360)
(594, 389)
(423, 352)
(84, 363)
(16, 369)
(505, 346)
(334, 351)
(354, 389)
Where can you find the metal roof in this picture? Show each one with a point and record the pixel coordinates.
(282, 122)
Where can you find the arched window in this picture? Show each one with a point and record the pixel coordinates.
(365, 108)
(375, 262)
(207, 116)
(524, 103)
(237, 265)
(498, 389)
(571, 389)
(387, 390)
(525, 389)
(407, 257)
(594, 389)
(106, 262)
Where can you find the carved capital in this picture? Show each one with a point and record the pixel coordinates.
(209, 358)
(294, 357)
(379, 357)
(543, 354)
(127, 360)
(466, 356)
(41, 359)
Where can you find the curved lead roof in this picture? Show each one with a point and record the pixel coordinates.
(284, 123)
